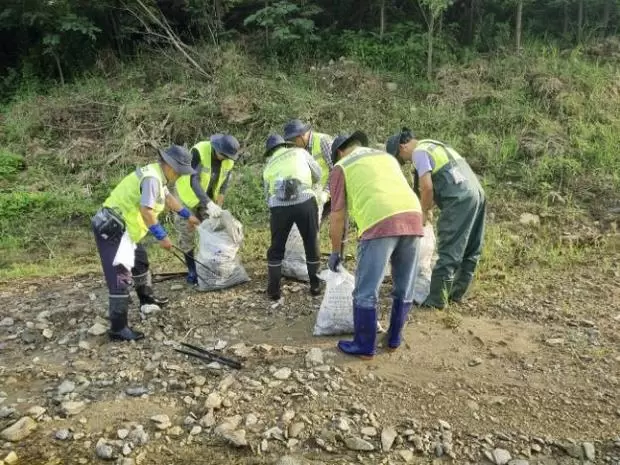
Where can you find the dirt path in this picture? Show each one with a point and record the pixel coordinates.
(529, 368)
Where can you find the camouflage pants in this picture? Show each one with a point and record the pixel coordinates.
(186, 237)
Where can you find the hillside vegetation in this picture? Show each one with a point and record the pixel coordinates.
(542, 129)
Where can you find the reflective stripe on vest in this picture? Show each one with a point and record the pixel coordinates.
(317, 154)
(288, 163)
(375, 188)
(183, 185)
(441, 153)
(126, 198)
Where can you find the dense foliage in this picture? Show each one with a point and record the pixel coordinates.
(58, 39)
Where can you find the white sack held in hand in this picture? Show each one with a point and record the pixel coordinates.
(125, 255)
(422, 286)
(220, 265)
(336, 313)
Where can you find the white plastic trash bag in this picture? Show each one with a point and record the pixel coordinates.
(294, 261)
(126, 253)
(220, 265)
(336, 313)
(426, 262)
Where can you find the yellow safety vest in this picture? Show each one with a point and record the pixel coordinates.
(126, 198)
(183, 184)
(317, 154)
(375, 188)
(288, 163)
(440, 153)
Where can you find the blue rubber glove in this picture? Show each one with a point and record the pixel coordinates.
(334, 262)
(158, 231)
(184, 213)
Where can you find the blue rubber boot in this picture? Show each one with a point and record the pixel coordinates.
(398, 318)
(363, 343)
(192, 276)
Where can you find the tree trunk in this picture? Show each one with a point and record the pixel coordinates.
(470, 26)
(607, 16)
(59, 67)
(429, 61)
(518, 25)
(565, 28)
(266, 29)
(382, 26)
(580, 21)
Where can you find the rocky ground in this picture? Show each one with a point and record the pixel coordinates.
(524, 373)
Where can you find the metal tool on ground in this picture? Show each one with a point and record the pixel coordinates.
(183, 260)
(208, 356)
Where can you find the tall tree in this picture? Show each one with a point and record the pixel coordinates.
(580, 21)
(432, 11)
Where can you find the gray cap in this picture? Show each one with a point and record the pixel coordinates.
(178, 158)
(294, 128)
(225, 144)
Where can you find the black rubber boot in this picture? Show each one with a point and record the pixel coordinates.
(439, 293)
(462, 282)
(273, 286)
(146, 297)
(315, 283)
(192, 275)
(119, 331)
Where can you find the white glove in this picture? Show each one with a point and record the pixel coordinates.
(214, 210)
(324, 197)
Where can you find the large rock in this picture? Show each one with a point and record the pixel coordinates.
(71, 408)
(388, 435)
(500, 456)
(97, 329)
(104, 450)
(66, 387)
(214, 401)
(589, 451)
(11, 458)
(282, 373)
(314, 357)
(358, 444)
(162, 422)
(19, 430)
(236, 438)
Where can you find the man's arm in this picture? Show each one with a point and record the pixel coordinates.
(150, 189)
(424, 165)
(426, 195)
(315, 169)
(194, 179)
(223, 189)
(336, 229)
(338, 215)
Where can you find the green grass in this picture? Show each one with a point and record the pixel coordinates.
(533, 126)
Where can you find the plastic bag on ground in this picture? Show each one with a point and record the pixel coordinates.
(426, 262)
(220, 264)
(336, 312)
(294, 261)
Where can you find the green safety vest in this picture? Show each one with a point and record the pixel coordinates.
(183, 184)
(317, 154)
(288, 163)
(126, 196)
(375, 188)
(440, 153)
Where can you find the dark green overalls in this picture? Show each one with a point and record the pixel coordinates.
(460, 227)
